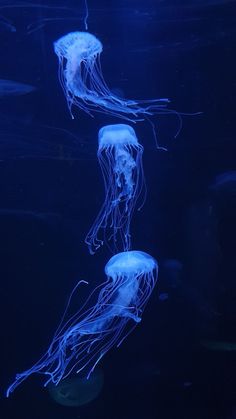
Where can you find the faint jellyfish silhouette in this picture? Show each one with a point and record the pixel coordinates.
(120, 158)
(77, 391)
(82, 81)
(172, 271)
(21, 139)
(225, 183)
(14, 88)
(80, 342)
(6, 25)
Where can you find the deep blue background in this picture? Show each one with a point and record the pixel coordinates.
(51, 190)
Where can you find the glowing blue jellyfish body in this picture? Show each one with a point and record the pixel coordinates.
(120, 157)
(80, 342)
(81, 78)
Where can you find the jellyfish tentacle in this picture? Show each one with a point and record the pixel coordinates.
(83, 83)
(120, 158)
(82, 341)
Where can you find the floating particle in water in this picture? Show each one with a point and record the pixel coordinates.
(163, 296)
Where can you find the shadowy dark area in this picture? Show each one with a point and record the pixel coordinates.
(180, 362)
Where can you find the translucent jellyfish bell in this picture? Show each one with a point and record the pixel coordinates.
(81, 78)
(14, 88)
(77, 391)
(80, 342)
(82, 44)
(120, 158)
(225, 183)
(127, 263)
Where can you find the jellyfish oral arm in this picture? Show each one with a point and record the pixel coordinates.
(120, 158)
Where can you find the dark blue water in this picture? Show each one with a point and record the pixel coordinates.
(180, 361)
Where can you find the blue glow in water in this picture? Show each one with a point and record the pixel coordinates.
(120, 157)
(80, 342)
(81, 78)
(163, 296)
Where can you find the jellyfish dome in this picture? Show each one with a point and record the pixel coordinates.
(138, 273)
(81, 78)
(83, 44)
(117, 134)
(133, 262)
(120, 158)
(82, 340)
(77, 391)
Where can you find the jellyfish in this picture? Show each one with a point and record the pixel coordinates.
(81, 78)
(21, 139)
(225, 183)
(120, 157)
(14, 88)
(77, 391)
(80, 342)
